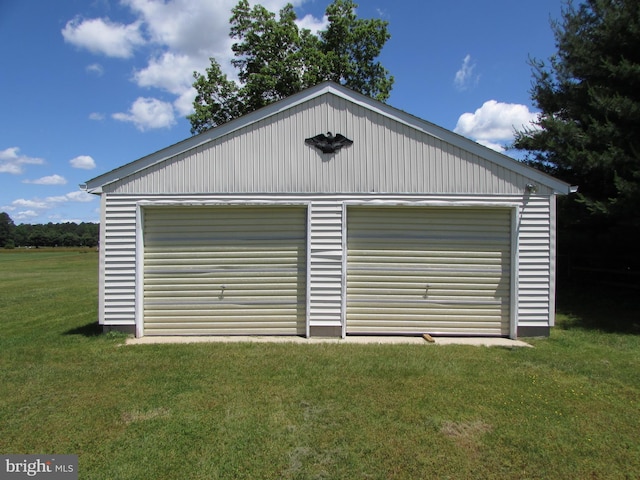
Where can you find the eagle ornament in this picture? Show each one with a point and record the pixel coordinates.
(328, 143)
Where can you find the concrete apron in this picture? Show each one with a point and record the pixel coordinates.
(364, 339)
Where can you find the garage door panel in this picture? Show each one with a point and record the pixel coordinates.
(443, 327)
(216, 328)
(436, 270)
(225, 270)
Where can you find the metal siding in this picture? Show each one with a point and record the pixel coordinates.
(224, 270)
(536, 271)
(534, 297)
(270, 156)
(119, 250)
(325, 264)
(428, 270)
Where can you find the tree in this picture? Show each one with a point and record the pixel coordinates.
(275, 59)
(589, 97)
(7, 230)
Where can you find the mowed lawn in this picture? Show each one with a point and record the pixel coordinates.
(567, 409)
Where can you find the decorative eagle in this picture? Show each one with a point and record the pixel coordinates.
(328, 143)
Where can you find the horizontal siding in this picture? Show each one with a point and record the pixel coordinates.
(535, 287)
(428, 270)
(386, 156)
(119, 252)
(536, 249)
(224, 270)
(325, 264)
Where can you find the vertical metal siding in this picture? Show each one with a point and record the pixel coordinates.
(224, 270)
(270, 156)
(428, 270)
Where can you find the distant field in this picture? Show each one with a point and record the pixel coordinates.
(567, 409)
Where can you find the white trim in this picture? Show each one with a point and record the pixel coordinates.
(139, 295)
(139, 275)
(432, 203)
(102, 254)
(512, 208)
(553, 251)
(515, 272)
(221, 203)
(343, 279)
(308, 274)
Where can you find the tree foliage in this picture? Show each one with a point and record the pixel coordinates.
(47, 235)
(7, 229)
(275, 59)
(589, 97)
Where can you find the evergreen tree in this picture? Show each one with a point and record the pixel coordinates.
(589, 97)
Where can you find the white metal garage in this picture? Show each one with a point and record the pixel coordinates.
(224, 270)
(250, 228)
(428, 270)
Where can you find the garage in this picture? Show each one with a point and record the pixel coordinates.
(224, 270)
(440, 270)
(268, 224)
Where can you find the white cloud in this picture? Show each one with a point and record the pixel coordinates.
(183, 35)
(103, 36)
(274, 5)
(464, 77)
(96, 69)
(169, 72)
(96, 116)
(312, 23)
(75, 196)
(27, 209)
(25, 215)
(184, 103)
(495, 123)
(148, 113)
(84, 162)
(12, 162)
(188, 32)
(48, 180)
(33, 204)
(186, 26)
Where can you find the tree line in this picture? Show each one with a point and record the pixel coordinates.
(67, 234)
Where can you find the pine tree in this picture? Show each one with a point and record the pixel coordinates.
(589, 97)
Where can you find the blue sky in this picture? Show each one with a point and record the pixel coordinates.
(89, 85)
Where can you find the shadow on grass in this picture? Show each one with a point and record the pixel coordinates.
(89, 330)
(598, 307)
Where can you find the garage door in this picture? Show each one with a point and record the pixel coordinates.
(224, 270)
(414, 270)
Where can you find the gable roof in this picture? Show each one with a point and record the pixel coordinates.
(95, 184)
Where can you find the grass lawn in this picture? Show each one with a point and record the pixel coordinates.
(567, 409)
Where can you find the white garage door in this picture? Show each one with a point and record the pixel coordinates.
(414, 270)
(225, 270)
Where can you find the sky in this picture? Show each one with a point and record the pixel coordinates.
(89, 85)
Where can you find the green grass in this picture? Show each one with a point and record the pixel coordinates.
(568, 408)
